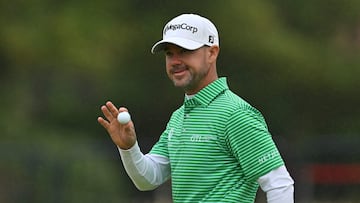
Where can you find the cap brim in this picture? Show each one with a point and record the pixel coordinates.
(181, 42)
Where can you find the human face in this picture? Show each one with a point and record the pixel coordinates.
(191, 70)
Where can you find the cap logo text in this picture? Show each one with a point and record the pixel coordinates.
(182, 26)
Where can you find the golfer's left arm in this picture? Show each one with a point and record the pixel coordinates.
(278, 186)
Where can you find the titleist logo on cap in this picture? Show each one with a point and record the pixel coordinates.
(182, 26)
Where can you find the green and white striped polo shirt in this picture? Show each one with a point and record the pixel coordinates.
(218, 146)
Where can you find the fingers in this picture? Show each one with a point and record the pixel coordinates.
(110, 112)
(122, 109)
(103, 122)
(108, 115)
(112, 109)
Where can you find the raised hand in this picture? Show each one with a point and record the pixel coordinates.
(123, 135)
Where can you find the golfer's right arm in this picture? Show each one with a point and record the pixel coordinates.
(146, 171)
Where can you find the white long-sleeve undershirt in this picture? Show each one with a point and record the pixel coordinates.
(149, 171)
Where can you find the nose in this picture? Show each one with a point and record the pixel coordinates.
(174, 60)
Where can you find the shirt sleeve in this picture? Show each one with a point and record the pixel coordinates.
(146, 171)
(278, 186)
(250, 142)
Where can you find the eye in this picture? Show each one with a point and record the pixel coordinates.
(168, 53)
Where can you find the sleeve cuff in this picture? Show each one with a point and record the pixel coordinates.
(133, 153)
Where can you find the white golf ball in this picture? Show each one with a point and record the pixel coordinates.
(123, 117)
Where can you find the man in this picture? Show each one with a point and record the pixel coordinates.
(216, 147)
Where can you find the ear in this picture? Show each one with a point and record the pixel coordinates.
(213, 53)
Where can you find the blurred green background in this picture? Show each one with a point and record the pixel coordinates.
(298, 62)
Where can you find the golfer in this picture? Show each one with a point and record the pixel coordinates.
(216, 147)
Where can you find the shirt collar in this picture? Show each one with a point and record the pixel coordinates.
(208, 93)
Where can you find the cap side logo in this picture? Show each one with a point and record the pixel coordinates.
(182, 26)
(211, 39)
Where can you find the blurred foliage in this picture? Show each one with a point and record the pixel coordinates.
(298, 62)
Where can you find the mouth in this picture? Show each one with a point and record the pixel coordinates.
(177, 72)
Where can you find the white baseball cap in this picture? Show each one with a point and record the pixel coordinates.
(189, 31)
